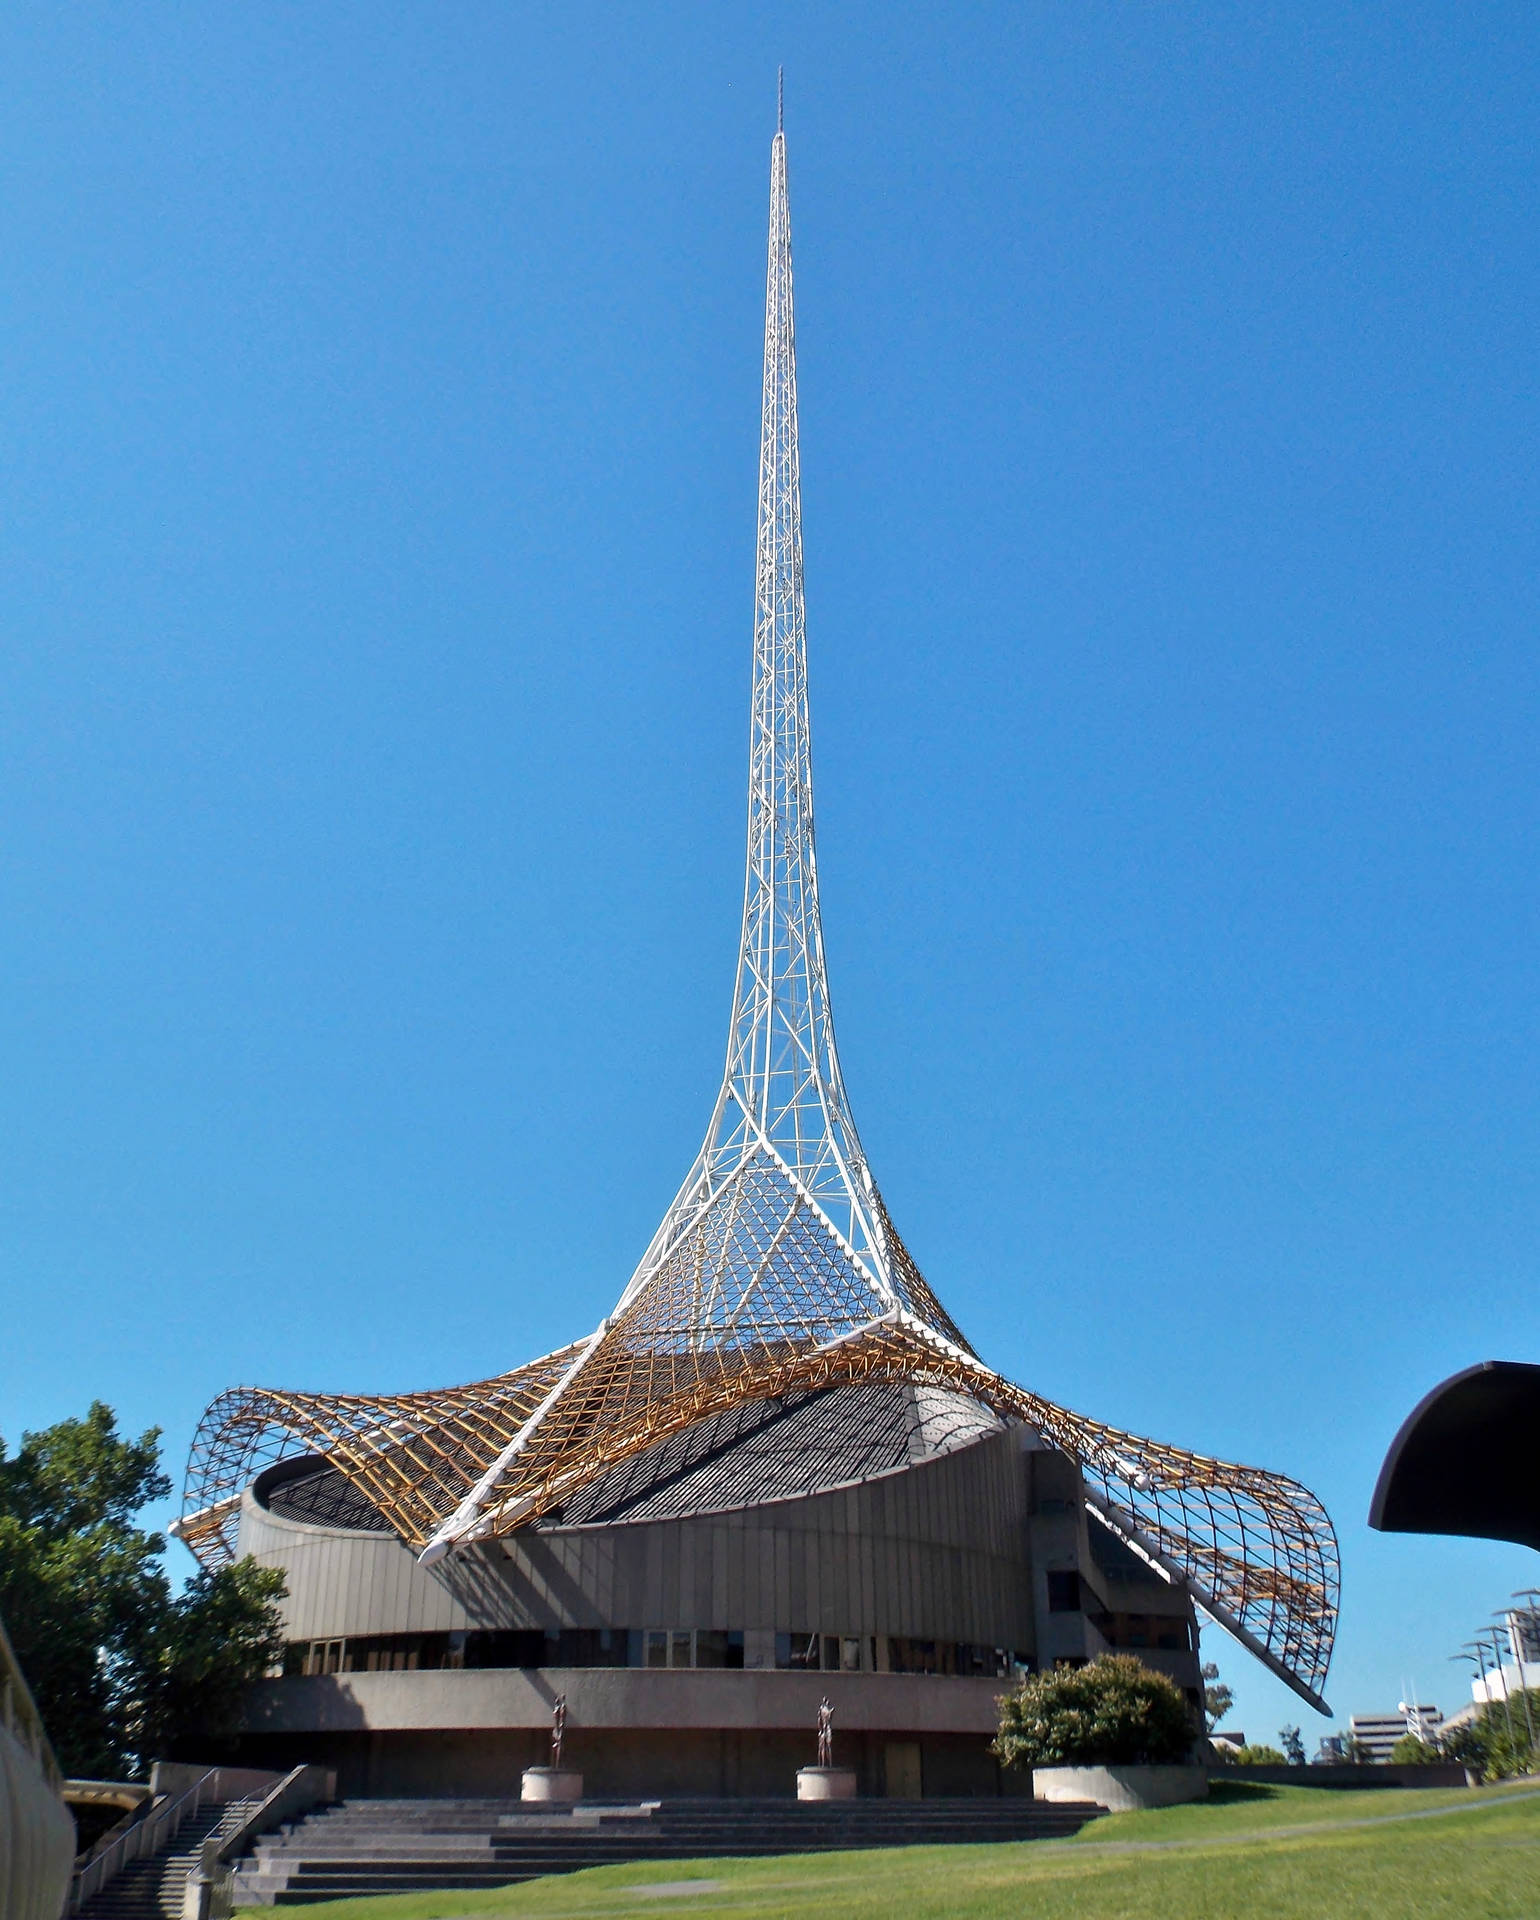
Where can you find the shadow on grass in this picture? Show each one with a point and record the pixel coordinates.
(1232, 1793)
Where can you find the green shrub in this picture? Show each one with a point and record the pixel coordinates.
(1257, 1756)
(1114, 1712)
(1409, 1751)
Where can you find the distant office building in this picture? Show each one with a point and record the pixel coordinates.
(1377, 1733)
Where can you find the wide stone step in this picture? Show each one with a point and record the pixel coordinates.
(375, 1847)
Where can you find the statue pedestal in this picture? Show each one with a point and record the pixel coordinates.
(826, 1783)
(549, 1784)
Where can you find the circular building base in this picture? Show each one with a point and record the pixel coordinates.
(826, 1783)
(552, 1783)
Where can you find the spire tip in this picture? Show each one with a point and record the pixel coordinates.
(780, 99)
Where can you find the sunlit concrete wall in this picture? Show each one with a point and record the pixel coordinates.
(37, 1837)
(938, 1550)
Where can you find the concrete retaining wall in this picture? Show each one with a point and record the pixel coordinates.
(1442, 1774)
(1122, 1789)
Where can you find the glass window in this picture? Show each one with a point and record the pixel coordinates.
(657, 1647)
(680, 1653)
(921, 1656)
(850, 1654)
(799, 1650)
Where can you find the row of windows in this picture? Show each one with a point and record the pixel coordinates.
(1134, 1632)
(643, 1647)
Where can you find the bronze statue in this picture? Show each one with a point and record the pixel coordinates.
(825, 1733)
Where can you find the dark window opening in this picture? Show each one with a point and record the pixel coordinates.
(1064, 1592)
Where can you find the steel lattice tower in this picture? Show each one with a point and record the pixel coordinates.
(776, 1268)
(782, 1124)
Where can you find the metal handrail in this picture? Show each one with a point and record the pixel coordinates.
(147, 1836)
(221, 1847)
(20, 1717)
(299, 1790)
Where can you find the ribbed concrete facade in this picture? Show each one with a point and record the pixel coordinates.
(933, 1551)
(715, 1589)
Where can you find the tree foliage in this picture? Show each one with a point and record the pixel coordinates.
(1495, 1744)
(1217, 1697)
(1260, 1755)
(1114, 1712)
(1409, 1751)
(123, 1670)
(1293, 1744)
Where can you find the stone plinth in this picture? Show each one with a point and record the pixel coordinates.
(552, 1784)
(826, 1783)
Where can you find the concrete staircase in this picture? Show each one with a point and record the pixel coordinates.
(152, 1889)
(402, 1846)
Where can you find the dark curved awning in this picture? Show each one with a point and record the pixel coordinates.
(1467, 1460)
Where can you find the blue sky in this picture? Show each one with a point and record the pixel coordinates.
(376, 527)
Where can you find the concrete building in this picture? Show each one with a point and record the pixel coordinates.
(902, 1550)
(1519, 1669)
(37, 1834)
(776, 1469)
(1377, 1733)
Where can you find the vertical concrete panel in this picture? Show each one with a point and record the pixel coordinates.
(713, 1596)
(868, 1579)
(767, 1597)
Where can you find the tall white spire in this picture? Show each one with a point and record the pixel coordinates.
(782, 1120)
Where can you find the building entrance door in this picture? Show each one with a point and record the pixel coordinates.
(901, 1767)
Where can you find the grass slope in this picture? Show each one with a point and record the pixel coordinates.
(1251, 1853)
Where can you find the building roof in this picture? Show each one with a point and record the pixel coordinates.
(759, 1451)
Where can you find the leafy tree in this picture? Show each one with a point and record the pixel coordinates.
(1466, 1744)
(1409, 1751)
(1488, 1746)
(1217, 1698)
(1293, 1746)
(118, 1665)
(1260, 1755)
(1114, 1712)
(219, 1636)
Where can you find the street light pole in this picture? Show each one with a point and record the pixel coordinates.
(1497, 1652)
(1478, 1661)
(1530, 1612)
(1516, 1647)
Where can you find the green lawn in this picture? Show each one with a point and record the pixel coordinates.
(1251, 1853)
